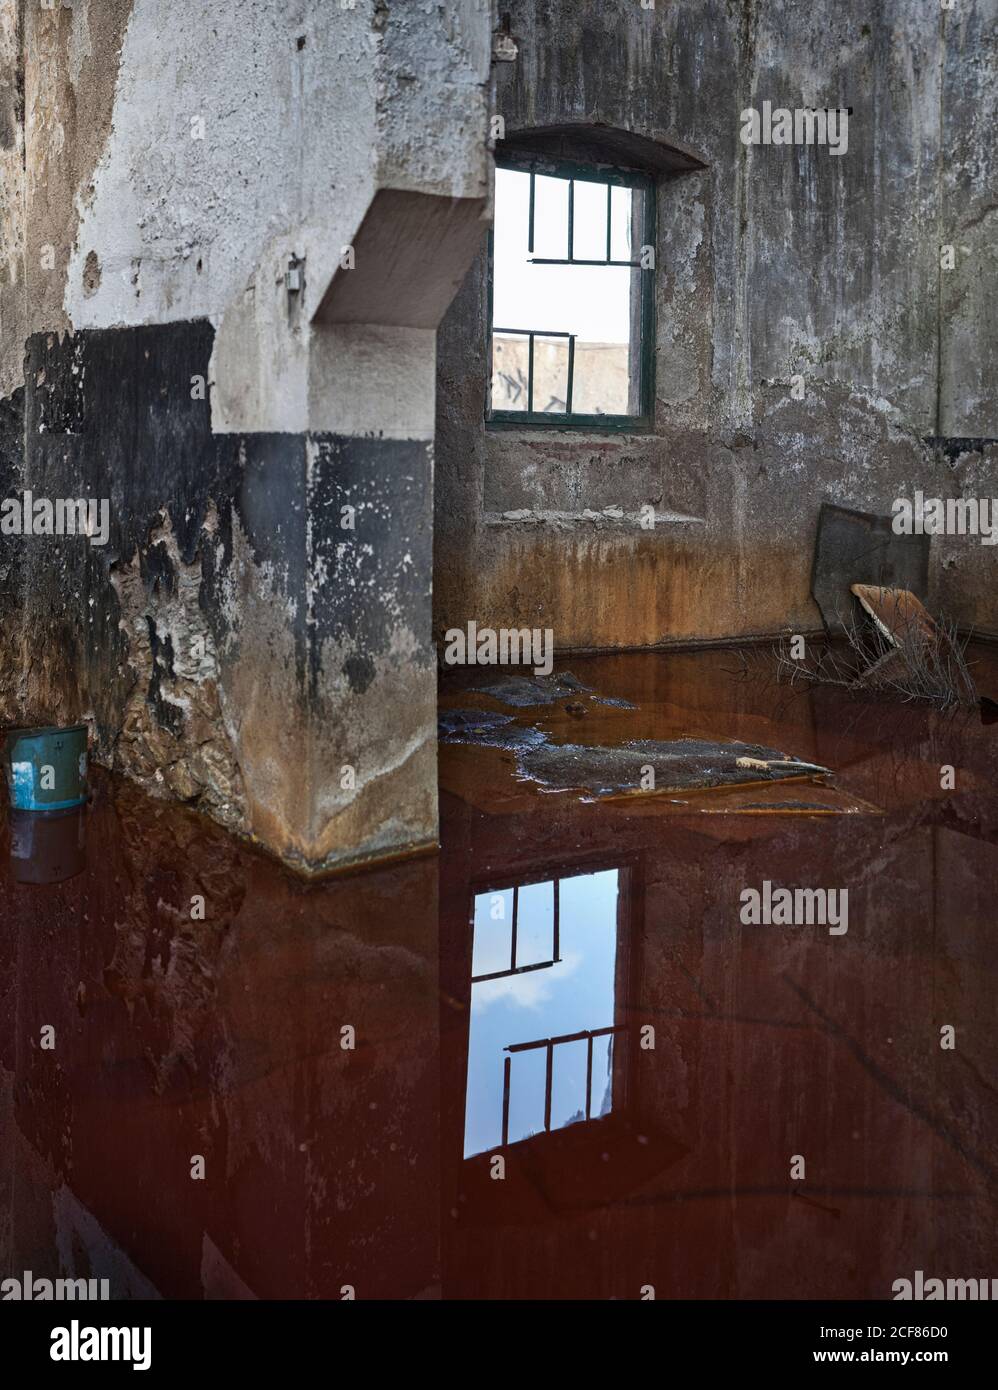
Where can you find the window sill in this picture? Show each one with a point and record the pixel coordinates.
(609, 519)
(605, 426)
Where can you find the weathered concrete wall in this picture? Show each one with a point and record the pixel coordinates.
(226, 650)
(255, 637)
(12, 304)
(772, 261)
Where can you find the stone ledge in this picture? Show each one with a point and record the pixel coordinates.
(609, 518)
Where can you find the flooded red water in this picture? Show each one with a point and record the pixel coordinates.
(552, 1061)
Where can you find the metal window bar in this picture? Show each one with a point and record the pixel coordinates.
(513, 930)
(505, 1099)
(570, 259)
(531, 334)
(518, 970)
(556, 925)
(530, 220)
(554, 260)
(589, 1079)
(586, 1035)
(571, 219)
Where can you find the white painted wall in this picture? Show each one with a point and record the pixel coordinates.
(296, 141)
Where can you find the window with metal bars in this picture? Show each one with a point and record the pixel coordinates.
(517, 966)
(571, 290)
(542, 1051)
(596, 1091)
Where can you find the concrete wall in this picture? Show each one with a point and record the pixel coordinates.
(259, 620)
(772, 261)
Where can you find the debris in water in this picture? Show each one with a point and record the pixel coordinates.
(886, 671)
(809, 808)
(902, 651)
(922, 658)
(637, 768)
(485, 727)
(522, 692)
(453, 723)
(677, 765)
(898, 614)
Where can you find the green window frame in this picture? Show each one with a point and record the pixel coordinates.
(577, 172)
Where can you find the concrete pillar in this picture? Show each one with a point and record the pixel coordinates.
(235, 232)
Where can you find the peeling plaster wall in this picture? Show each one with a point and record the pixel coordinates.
(70, 59)
(12, 176)
(237, 644)
(232, 645)
(773, 261)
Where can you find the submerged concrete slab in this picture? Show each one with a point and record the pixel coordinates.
(688, 764)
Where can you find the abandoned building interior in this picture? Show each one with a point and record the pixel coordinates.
(498, 667)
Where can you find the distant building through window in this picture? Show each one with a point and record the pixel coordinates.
(572, 304)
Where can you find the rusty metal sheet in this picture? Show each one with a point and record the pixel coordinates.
(854, 547)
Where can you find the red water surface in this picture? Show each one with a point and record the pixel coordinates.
(329, 1167)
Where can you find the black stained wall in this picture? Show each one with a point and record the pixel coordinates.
(221, 639)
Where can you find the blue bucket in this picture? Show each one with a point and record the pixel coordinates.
(46, 769)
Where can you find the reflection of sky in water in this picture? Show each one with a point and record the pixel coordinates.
(576, 993)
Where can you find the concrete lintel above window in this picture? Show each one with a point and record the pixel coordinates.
(602, 144)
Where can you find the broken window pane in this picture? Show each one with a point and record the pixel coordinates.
(493, 932)
(589, 221)
(510, 352)
(526, 1095)
(550, 212)
(535, 924)
(601, 1090)
(621, 203)
(550, 374)
(569, 1069)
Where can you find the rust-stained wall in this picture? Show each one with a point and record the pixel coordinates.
(772, 261)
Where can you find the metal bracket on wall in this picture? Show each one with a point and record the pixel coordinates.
(294, 275)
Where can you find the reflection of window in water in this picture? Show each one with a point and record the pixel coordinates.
(543, 972)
